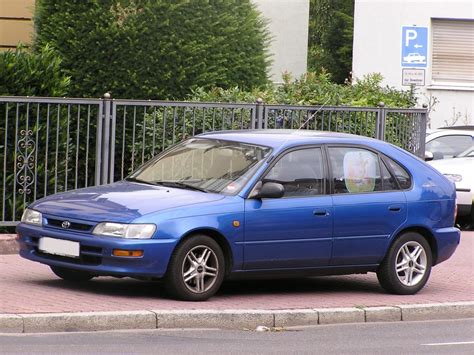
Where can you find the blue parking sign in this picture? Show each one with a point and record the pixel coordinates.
(414, 47)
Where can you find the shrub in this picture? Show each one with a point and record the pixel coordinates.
(23, 73)
(314, 89)
(155, 49)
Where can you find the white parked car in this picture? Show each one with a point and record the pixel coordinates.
(451, 151)
(460, 170)
(449, 142)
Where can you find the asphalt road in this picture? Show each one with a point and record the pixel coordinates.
(430, 337)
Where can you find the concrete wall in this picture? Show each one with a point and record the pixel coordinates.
(288, 25)
(377, 48)
(15, 22)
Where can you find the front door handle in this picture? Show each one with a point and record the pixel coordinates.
(321, 212)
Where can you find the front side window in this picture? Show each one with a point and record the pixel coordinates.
(354, 170)
(209, 165)
(301, 172)
(448, 146)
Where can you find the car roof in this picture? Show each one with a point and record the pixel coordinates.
(285, 137)
(449, 132)
(463, 128)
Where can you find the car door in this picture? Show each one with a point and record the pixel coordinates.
(296, 230)
(369, 205)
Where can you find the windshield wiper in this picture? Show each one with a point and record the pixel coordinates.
(180, 184)
(132, 179)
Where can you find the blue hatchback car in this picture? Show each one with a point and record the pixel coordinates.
(253, 204)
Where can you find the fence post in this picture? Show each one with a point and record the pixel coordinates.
(98, 146)
(112, 141)
(259, 113)
(381, 120)
(104, 159)
(422, 133)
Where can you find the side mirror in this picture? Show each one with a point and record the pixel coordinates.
(428, 156)
(269, 190)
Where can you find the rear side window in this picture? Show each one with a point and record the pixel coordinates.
(355, 170)
(402, 176)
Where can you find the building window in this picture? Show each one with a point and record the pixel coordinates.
(453, 52)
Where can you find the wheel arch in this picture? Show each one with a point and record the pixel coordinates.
(219, 238)
(425, 233)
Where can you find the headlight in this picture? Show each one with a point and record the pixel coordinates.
(32, 217)
(454, 177)
(130, 231)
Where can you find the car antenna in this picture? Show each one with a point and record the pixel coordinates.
(312, 115)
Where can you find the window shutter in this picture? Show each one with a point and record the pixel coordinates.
(453, 51)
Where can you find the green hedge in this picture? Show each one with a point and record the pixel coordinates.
(155, 49)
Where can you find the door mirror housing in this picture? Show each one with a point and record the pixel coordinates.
(268, 190)
(428, 156)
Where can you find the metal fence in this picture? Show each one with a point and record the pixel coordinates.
(50, 145)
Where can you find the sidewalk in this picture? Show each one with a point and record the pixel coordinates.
(8, 244)
(30, 290)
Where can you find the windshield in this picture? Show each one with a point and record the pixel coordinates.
(207, 165)
(469, 152)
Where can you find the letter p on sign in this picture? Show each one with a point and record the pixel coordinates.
(410, 36)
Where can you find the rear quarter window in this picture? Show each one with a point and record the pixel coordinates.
(401, 174)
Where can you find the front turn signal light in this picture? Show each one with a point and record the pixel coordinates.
(127, 253)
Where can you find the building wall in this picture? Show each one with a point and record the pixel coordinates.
(15, 22)
(288, 25)
(377, 48)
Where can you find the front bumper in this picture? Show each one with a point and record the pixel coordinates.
(96, 252)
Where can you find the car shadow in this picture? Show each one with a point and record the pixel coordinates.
(315, 285)
(136, 289)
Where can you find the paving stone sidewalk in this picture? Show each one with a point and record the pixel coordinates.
(28, 287)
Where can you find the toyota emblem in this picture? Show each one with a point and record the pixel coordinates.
(66, 224)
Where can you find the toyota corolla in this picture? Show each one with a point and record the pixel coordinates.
(253, 204)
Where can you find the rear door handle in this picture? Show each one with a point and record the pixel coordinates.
(321, 212)
(395, 208)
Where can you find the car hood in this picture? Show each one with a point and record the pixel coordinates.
(119, 202)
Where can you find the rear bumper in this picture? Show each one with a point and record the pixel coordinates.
(447, 240)
(464, 200)
(96, 252)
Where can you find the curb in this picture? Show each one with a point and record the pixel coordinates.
(8, 244)
(228, 319)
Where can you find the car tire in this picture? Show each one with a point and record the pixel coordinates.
(70, 274)
(196, 269)
(407, 265)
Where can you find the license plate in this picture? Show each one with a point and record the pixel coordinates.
(59, 247)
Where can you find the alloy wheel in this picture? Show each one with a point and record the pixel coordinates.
(200, 269)
(411, 263)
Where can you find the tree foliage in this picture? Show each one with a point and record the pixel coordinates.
(23, 73)
(155, 49)
(331, 29)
